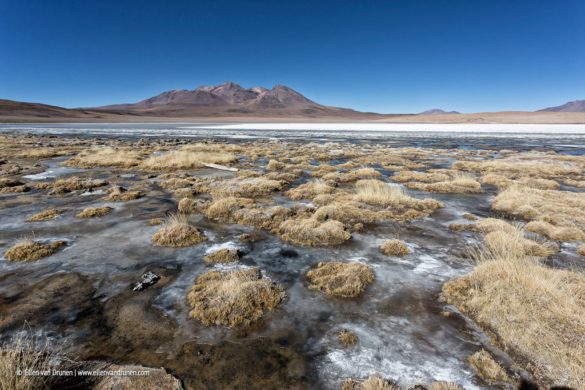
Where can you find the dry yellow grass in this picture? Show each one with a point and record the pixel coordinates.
(502, 182)
(394, 248)
(487, 368)
(266, 218)
(107, 157)
(537, 165)
(575, 183)
(249, 188)
(45, 215)
(310, 190)
(121, 194)
(233, 298)
(30, 250)
(225, 255)
(459, 183)
(311, 232)
(94, 212)
(378, 193)
(561, 209)
(537, 313)
(581, 249)
(423, 177)
(346, 280)
(561, 233)
(75, 183)
(8, 186)
(24, 354)
(177, 232)
(222, 209)
(187, 206)
(376, 382)
(185, 159)
(347, 337)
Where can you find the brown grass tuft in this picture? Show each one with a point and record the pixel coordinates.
(311, 232)
(347, 337)
(177, 232)
(233, 298)
(75, 183)
(537, 313)
(121, 194)
(310, 190)
(394, 248)
(45, 215)
(30, 250)
(225, 255)
(459, 183)
(339, 279)
(185, 159)
(487, 368)
(94, 212)
(24, 354)
(581, 249)
(106, 157)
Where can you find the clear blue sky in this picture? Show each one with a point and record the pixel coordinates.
(385, 56)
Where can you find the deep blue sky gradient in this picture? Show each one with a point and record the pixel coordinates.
(385, 56)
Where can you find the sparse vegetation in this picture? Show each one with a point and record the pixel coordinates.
(24, 353)
(347, 337)
(30, 250)
(94, 212)
(177, 232)
(394, 248)
(346, 280)
(121, 194)
(224, 255)
(45, 215)
(186, 159)
(236, 298)
(459, 183)
(487, 368)
(311, 232)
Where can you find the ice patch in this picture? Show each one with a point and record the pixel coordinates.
(223, 245)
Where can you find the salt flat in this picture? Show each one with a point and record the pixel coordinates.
(407, 127)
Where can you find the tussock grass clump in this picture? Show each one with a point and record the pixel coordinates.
(30, 250)
(424, 177)
(106, 157)
(121, 194)
(349, 213)
(185, 159)
(177, 232)
(575, 183)
(346, 280)
(394, 248)
(266, 218)
(376, 382)
(233, 298)
(347, 337)
(94, 212)
(310, 190)
(274, 165)
(222, 209)
(24, 354)
(75, 183)
(224, 255)
(249, 188)
(502, 182)
(537, 313)
(378, 193)
(187, 206)
(12, 186)
(487, 368)
(460, 184)
(558, 208)
(581, 249)
(311, 232)
(499, 243)
(561, 233)
(45, 215)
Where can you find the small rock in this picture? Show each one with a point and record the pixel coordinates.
(148, 279)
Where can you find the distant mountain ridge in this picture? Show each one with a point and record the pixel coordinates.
(438, 111)
(574, 106)
(231, 99)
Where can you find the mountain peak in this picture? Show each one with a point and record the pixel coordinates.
(437, 111)
(574, 106)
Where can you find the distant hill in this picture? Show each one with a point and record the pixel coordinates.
(574, 106)
(437, 111)
(12, 109)
(230, 99)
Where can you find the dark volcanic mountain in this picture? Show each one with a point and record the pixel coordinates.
(437, 111)
(574, 106)
(232, 100)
